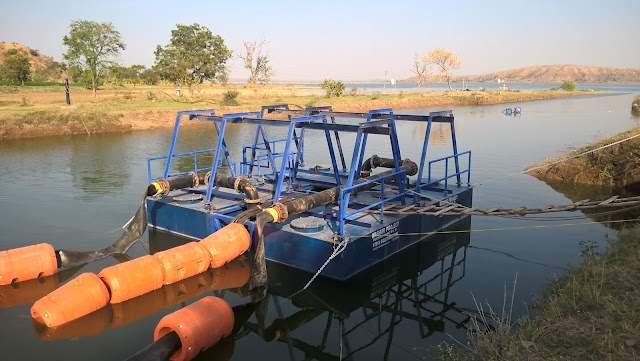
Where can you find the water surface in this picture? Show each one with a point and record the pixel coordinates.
(77, 191)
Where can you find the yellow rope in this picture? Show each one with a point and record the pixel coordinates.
(509, 228)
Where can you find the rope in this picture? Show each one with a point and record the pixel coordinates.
(560, 161)
(336, 251)
(507, 228)
(458, 209)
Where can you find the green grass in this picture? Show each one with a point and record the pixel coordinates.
(593, 313)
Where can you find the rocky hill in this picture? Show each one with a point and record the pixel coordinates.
(557, 74)
(560, 73)
(43, 68)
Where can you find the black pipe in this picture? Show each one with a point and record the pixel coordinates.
(375, 162)
(240, 184)
(303, 204)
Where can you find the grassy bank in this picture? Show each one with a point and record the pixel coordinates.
(614, 166)
(147, 107)
(593, 313)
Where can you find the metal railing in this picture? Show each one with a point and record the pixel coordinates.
(457, 174)
(343, 206)
(196, 168)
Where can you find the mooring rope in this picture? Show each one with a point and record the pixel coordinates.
(507, 228)
(558, 161)
(450, 208)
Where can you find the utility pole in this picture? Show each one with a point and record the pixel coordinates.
(66, 90)
(384, 83)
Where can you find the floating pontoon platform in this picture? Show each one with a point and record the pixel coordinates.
(354, 228)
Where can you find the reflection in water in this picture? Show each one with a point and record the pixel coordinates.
(440, 133)
(407, 295)
(98, 165)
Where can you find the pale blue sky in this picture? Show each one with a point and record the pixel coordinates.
(355, 40)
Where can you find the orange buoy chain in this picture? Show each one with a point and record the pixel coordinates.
(136, 277)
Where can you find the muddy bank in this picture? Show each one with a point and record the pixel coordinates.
(133, 116)
(617, 166)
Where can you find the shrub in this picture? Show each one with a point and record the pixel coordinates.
(635, 107)
(151, 96)
(34, 52)
(375, 95)
(332, 87)
(229, 97)
(568, 85)
(11, 52)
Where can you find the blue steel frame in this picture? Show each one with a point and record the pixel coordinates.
(376, 120)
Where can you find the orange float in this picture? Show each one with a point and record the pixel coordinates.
(27, 263)
(90, 325)
(227, 244)
(183, 261)
(199, 326)
(76, 298)
(133, 278)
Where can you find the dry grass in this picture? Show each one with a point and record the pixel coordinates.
(593, 313)
(146, 107)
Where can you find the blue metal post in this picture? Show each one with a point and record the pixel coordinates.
(352, 171)
(226, 152)
(172, 148)
(216, 159)
(455, 151)
(423, 158)
(395, 149)
(336, 172)
(364, 140)
(285, 160)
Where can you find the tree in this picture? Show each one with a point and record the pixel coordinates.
(16, 68)
(257, 62)
(150, 77)
(446, 61)
(333, 88)
(193, 56)
(420, 69)
(91, 46)
(568, 85)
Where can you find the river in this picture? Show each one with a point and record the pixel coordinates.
(76, 192)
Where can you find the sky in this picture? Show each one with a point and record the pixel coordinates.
(354, 40)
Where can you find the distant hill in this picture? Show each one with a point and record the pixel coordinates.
(43, 68)
(557, 74)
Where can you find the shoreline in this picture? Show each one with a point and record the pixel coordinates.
(30, 113)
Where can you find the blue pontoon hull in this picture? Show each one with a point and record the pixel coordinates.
(371, 240)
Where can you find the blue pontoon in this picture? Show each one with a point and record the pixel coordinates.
(355, 225)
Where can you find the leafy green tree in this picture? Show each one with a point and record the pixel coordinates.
(150, 76)
(91, 46)
(332, 87)
(193, 56)
(16, 68)
(569, 85)
(445, 61)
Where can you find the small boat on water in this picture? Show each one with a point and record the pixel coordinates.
(512, 111)
(331, 219)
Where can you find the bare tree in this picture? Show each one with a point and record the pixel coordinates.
(420, 69)
(257, 61)
(446, 61)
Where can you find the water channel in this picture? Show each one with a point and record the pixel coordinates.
(76, 192)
